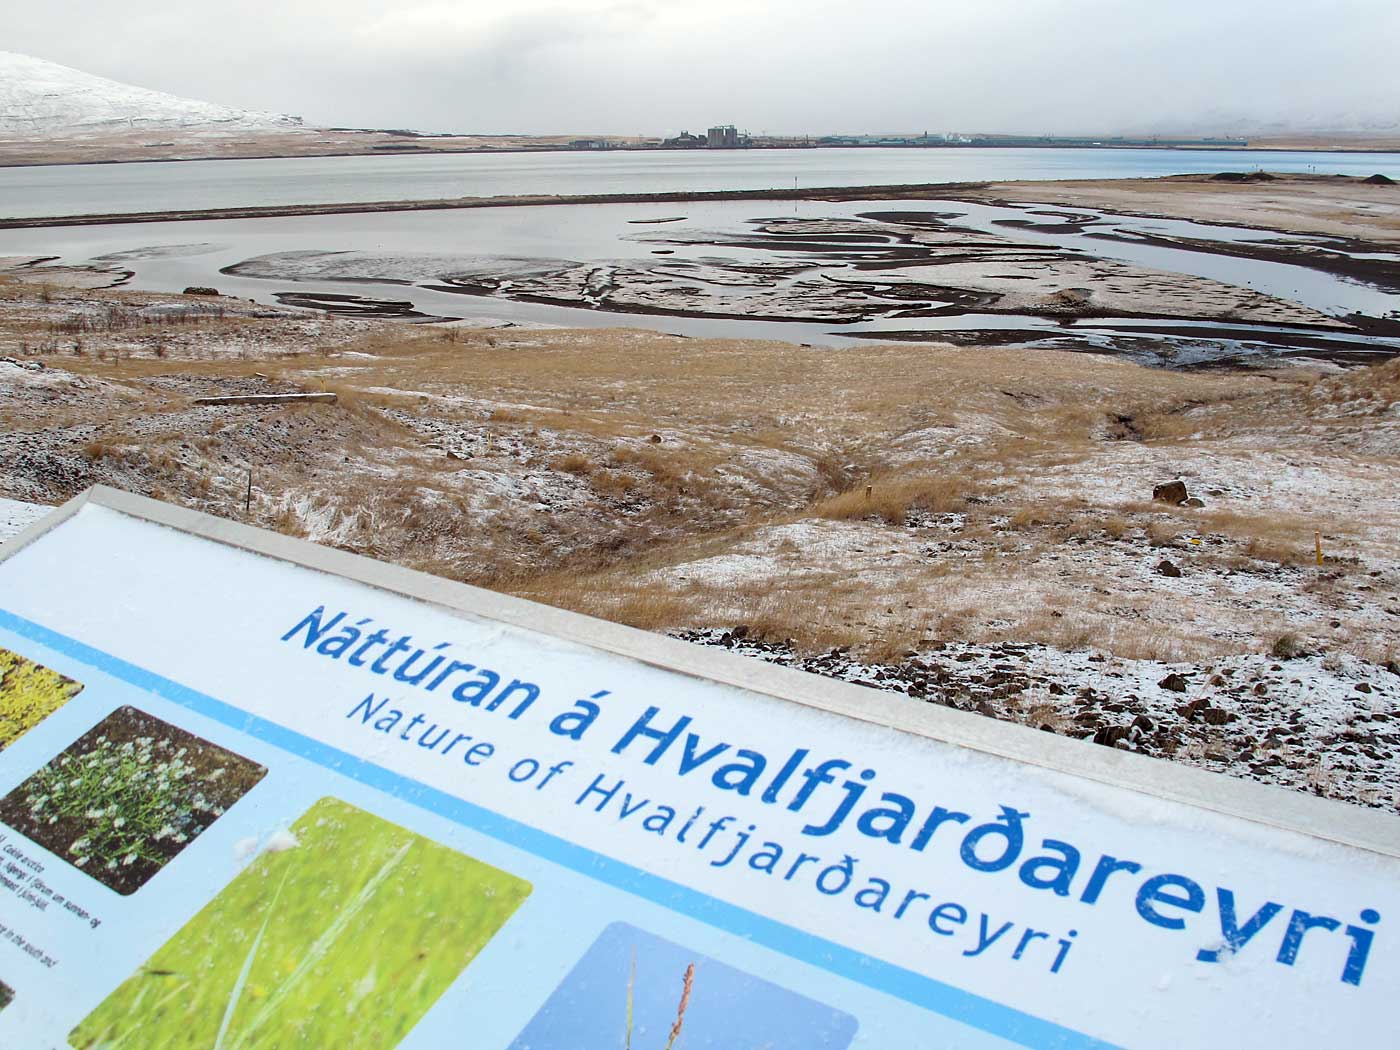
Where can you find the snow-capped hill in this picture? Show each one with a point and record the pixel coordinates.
(40, 99)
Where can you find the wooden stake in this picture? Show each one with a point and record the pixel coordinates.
(1317, 540)
(248, 497)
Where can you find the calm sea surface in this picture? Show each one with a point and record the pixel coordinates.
(122, 188)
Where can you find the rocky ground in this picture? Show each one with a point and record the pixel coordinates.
(1324, 724)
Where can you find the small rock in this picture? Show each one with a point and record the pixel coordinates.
(1166, 568)
(1174, 682)
(1193, 501)
(1109, 735)
(200, 289)
(1144, 723)
(655, 439)
(1173, 492)
(1215, 716)
(1362, 687)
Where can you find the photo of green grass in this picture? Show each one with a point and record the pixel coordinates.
(342, 936)
(127, 796)
(29, 693)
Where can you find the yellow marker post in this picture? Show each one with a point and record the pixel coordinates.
(1317, 540)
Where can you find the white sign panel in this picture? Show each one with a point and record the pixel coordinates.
(257, 794)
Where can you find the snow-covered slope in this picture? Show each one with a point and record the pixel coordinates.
(40, 99)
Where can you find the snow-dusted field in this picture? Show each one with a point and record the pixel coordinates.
(16, 516)
(1327, 725)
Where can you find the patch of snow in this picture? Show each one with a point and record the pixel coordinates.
(812, 547)
(16, 516)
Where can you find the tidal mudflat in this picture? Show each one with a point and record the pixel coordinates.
(975, 269)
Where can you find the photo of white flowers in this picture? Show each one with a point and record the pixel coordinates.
(127, 796)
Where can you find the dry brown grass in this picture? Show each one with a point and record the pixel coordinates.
(99, 448)
(1282, 538)
(592, 470)
(891, 498)
(1163, 533)
(573, 463)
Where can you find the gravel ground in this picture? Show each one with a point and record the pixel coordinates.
(1328, 725)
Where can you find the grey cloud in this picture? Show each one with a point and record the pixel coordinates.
(781, 66)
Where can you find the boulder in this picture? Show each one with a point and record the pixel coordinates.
(1173, 682)
(200, 289)
(1167, 568)
(1108, 736)
(1193, 501)
(1173, 492)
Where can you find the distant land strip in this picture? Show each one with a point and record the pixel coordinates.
(911, 191)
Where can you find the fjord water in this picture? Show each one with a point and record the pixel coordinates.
(85, 189)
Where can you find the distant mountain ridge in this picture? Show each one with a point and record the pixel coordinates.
(44, 100)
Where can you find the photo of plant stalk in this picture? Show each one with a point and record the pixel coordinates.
(29, 693)
(633, 990)
(127, 796)
(343, 932)
(687, 986)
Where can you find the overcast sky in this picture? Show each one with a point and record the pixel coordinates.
(782, 66)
